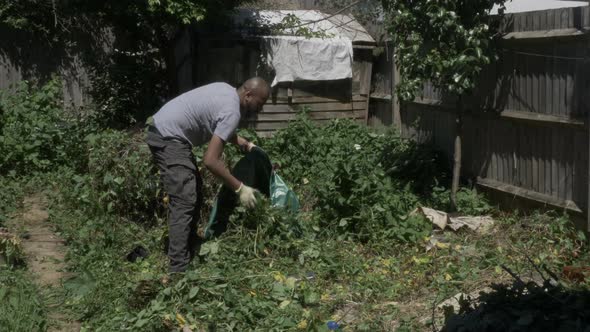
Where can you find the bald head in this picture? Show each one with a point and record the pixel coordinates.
(258, 86)
(253, 94)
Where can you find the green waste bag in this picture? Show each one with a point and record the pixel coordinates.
(254, 170)
(281, 195)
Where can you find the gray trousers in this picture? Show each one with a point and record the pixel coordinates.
(183, 183)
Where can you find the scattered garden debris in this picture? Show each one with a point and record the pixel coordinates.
(136, 253)
(454, 302)
(11, 252)
(445, 220)
(576, 273)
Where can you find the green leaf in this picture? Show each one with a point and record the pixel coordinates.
(193, 292)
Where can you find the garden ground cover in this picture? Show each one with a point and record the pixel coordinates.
(354, 255)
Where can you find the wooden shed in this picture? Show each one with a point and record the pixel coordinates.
(233, 54)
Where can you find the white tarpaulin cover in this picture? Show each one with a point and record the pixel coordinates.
(314, 59)
(299, 58)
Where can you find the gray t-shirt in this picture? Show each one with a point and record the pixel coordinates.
(197, 115)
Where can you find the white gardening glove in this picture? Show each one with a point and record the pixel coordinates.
(246, 195)
(247, 148)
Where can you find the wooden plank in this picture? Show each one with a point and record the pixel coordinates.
(529, 194)
(564, 18)
(529, 138)
(521, 83)
(528, 97)
(315, 99)
(554, 166)
(541, 118)
(563, 68)
(569, 85)
(500, 148)
(569, 165)
(480, 144)
(540, 154)
(535, 70)
(540, 71)
(493, 173)
(548, 92)
(337, 106)
(555, 84)
(545, 34)
(523, 165)
(543, 25)
(510, 71)
(584, 179)
(365, 78)
(282, 124)
(535, 157)
(509, 143)
(368, 83)
(547, 159)
(551, 20)
(580, 74)
(529, 21)
(523, 22)
(563, 165)
(511, 114)
(273, 117)
(536, 21)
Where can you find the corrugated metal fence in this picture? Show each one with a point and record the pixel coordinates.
(526, 126)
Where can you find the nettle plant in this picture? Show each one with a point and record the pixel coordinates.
(447, 43)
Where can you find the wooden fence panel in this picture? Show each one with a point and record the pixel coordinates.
(526, 128)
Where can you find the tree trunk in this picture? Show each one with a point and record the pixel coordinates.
(457, 154)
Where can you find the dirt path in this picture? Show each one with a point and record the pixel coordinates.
(45, 253)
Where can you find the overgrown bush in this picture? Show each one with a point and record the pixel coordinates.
(35, 132)
(123, 177)
(120, 104)
(10, 196)
(469, 201)
(341, 165)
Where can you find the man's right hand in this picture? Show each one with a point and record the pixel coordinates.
(247, 196)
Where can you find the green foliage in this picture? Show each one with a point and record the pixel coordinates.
(21, 309)
(122, 175)
(119, 104)
(185, 11)
(292, 25)
(341, 165)
(273, 271)
(469, 201)
(444, 42)
(26, 15)
(10, 197)
(127, 46)
(35, 132)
